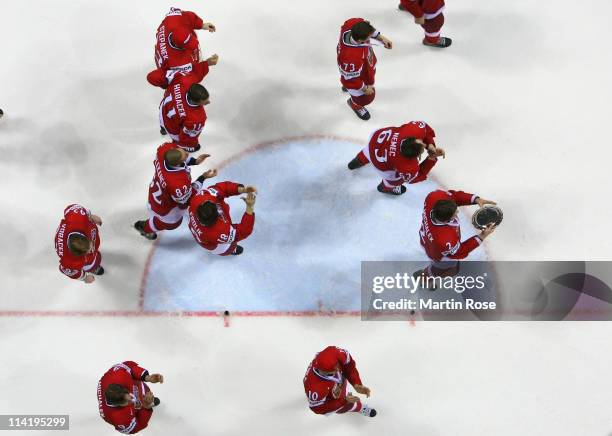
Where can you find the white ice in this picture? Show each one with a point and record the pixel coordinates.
(318, 221)
(520, 102)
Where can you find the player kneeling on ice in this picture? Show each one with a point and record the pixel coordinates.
(171, 189)
(440, 233)
(77, 243)
(395, 153)
(325, 384)
(124, 399)
(210, 221)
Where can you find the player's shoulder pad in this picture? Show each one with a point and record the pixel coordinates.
(128, 426)
(212, 191)
(75, 208)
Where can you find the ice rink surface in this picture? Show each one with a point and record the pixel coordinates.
(318, 222)
(521, 104)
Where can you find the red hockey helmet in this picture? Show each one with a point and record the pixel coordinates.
(327, 359)
(184, 39)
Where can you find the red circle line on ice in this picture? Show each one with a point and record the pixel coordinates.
(140, 312)
(249, 150)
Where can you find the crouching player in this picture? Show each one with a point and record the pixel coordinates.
(325, 384)
(210, 221)
(395, 152)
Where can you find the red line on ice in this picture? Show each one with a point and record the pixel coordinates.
(147, 313)
(145, 273)
(251, 149)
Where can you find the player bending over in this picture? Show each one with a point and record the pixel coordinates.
(325, 384)
(395, 153)
(171, 189)
(210, 221)
(164, 78)
(440, 233)
(77, 243)
(430, 15)
(357, 63)
(177, 47)
(124, 399)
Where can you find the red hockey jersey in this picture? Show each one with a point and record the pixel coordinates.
(220, 238)
(132, 418)
(327, 394)
(171, 186)
(356, 62)
(427, 8)
(76, 220)
(384, 151)
(183, 121)
(162, 78)
(167, 55)
(442, 241)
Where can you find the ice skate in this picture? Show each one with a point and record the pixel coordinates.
(443, 42)
(355, 163)
(140, 225)
(398, 190)
(424, 283)
(360, 111)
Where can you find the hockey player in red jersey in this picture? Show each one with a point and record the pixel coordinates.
(430, 15)
(440, 232)
(181, 112)
(77, 243)
(124, 399)
(171, 189)
(163, 78)
(210, 221)
(357, 63)
(395, 153)
(177, 46)
(326, 384)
